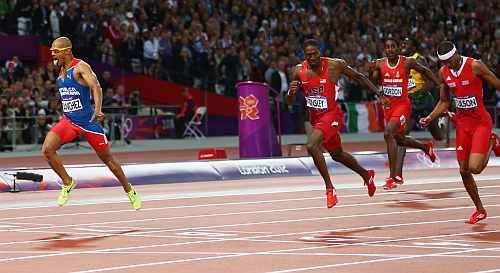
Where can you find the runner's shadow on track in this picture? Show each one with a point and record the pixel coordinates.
(338, 237)
(419, 203)
(486, 235)
(65, 241)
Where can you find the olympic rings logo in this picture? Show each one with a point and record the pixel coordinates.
(127, 127)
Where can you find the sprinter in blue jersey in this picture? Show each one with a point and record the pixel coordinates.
(77, 83)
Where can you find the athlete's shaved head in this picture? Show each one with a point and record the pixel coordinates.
(61, 51)
(62, 42)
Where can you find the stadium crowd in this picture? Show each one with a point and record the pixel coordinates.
(212, 44)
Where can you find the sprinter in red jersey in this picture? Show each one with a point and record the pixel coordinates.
(392, 73)
(463, 77)
(317, 77)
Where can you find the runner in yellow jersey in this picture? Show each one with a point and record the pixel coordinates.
(419, 92)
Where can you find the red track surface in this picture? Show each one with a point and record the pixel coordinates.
(267, 225)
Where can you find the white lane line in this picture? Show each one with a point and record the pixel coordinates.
(488, 271)
(234, 231)
(283, 234)
(250, 254)
(213, 253)
(354, 263)
(272, 252)
(238, 192)
(460, 190)
(128, 221)
(472, 241)
(142, 233)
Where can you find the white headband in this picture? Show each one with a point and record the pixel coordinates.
(448, 55)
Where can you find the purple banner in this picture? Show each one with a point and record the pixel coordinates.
(256, 131)
(25, 47)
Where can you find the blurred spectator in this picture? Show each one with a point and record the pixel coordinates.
(135, 102)
(14, 69)
(229, 68)
(106, 81)
(151, 52)
(213, 44)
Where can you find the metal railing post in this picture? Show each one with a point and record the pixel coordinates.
(14, 133)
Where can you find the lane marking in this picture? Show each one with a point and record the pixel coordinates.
(141, 233)
(256, 212)
(267, 252)
(283, 234)
(238, 192)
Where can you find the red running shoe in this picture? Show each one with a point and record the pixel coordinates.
(476, 217)
(370, 183)
(398, 179)
(390, 184)
(331, 198)
(430, 152)
(496, 146)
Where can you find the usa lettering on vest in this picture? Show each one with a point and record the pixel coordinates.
(317, 90)
(466, 102)
(317, 102)
(68, 91)
(394, 91)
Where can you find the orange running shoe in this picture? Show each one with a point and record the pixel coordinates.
(430, 152)
(331, 198)
(390, 184)
(370, 183)
(476, 217)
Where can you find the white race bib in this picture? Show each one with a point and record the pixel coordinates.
(317, 102)
(466, 102)
(394, 91)
(72, 105)
(411, 83)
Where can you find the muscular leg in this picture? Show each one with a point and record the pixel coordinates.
(408, 141)
(349, 161)
(470, 185)
(51, 144)
(114, 167)
(400, 158)
(392, 145)
(314, 148)
(478, 162)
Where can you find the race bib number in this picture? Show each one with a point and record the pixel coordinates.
(411, 83)
(317, 102)
(394, 91)
(466, 102)
(72, 105)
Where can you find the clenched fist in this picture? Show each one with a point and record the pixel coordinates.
(292, 89)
